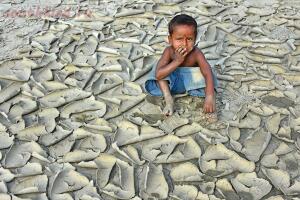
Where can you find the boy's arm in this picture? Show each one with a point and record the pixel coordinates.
(166, 65)
(209, 90)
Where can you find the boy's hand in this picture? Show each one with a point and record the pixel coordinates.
(209, 104)
(180, 54)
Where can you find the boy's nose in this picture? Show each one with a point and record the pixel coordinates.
(184, 43)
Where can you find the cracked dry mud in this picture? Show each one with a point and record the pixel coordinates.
(76, 123)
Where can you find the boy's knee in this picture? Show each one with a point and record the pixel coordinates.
(152, 87)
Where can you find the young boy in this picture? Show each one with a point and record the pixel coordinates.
(182, 67)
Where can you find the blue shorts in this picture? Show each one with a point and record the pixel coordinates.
(181, 80)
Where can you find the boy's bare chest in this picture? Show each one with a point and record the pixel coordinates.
(190, 61)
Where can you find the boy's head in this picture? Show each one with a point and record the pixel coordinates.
(182, 31)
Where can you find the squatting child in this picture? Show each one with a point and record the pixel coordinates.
(182, 67)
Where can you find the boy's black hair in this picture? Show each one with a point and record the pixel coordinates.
(182, 19)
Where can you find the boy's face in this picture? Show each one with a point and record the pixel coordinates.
(183, 36)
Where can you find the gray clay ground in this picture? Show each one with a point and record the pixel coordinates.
(75, 122)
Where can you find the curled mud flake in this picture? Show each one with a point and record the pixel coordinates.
(170, 149)
(219, 161)
(262, 110)
(88, 164)
(67, 181)
(87, 192)
(128, 102)
(94, 142)
(6, 140)
(6, 175)
(88, 149)
(128, 40)
(61, 97)
(281, 180)
(255, 144)
(211, 136)
(20, 153)
(186, 172)
(148, 113)
(47, 117)
(250, 121)
(16, 126)
(100, 124)
(129, 12)
(188, 129)
(295, 124)
(283, 149)
(248, 184)
(234, 133)
(54, 85)
(264, 59)
(184, 192)
(106, 82)
(4, 190)
(225, 77)
(277, 197)
(12, 70)
(295, 68)
(10, 91)
(79, 155)
(154, 184)
(80, 78)
(131, 88)
(128, 133)
(45, 40)
(289, 162)
(224, 187)
(53, 137)
(27, 185)
(108, 50)
(173, 122)
(130, 153)
(64, 196)
(273, 123)
(269, 160)
(111, 66)
(21, 107)
(269, 52)
(88, 104)
(235, 145)
(85, 60)
(94, 25)
(31, 133)
(139, 72)
(61, 148)
(115, 177)
(29, 169)
(43, 75)
(89, 46)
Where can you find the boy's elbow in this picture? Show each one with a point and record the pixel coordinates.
(157, 76)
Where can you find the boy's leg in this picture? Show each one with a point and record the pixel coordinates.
(164, 87)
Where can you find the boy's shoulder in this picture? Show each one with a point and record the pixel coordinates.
(197, 50)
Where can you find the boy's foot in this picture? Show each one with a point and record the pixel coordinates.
(169, 108)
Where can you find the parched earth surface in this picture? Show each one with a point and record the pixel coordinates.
(76, 123)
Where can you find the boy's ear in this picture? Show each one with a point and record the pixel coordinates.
(169, 39)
